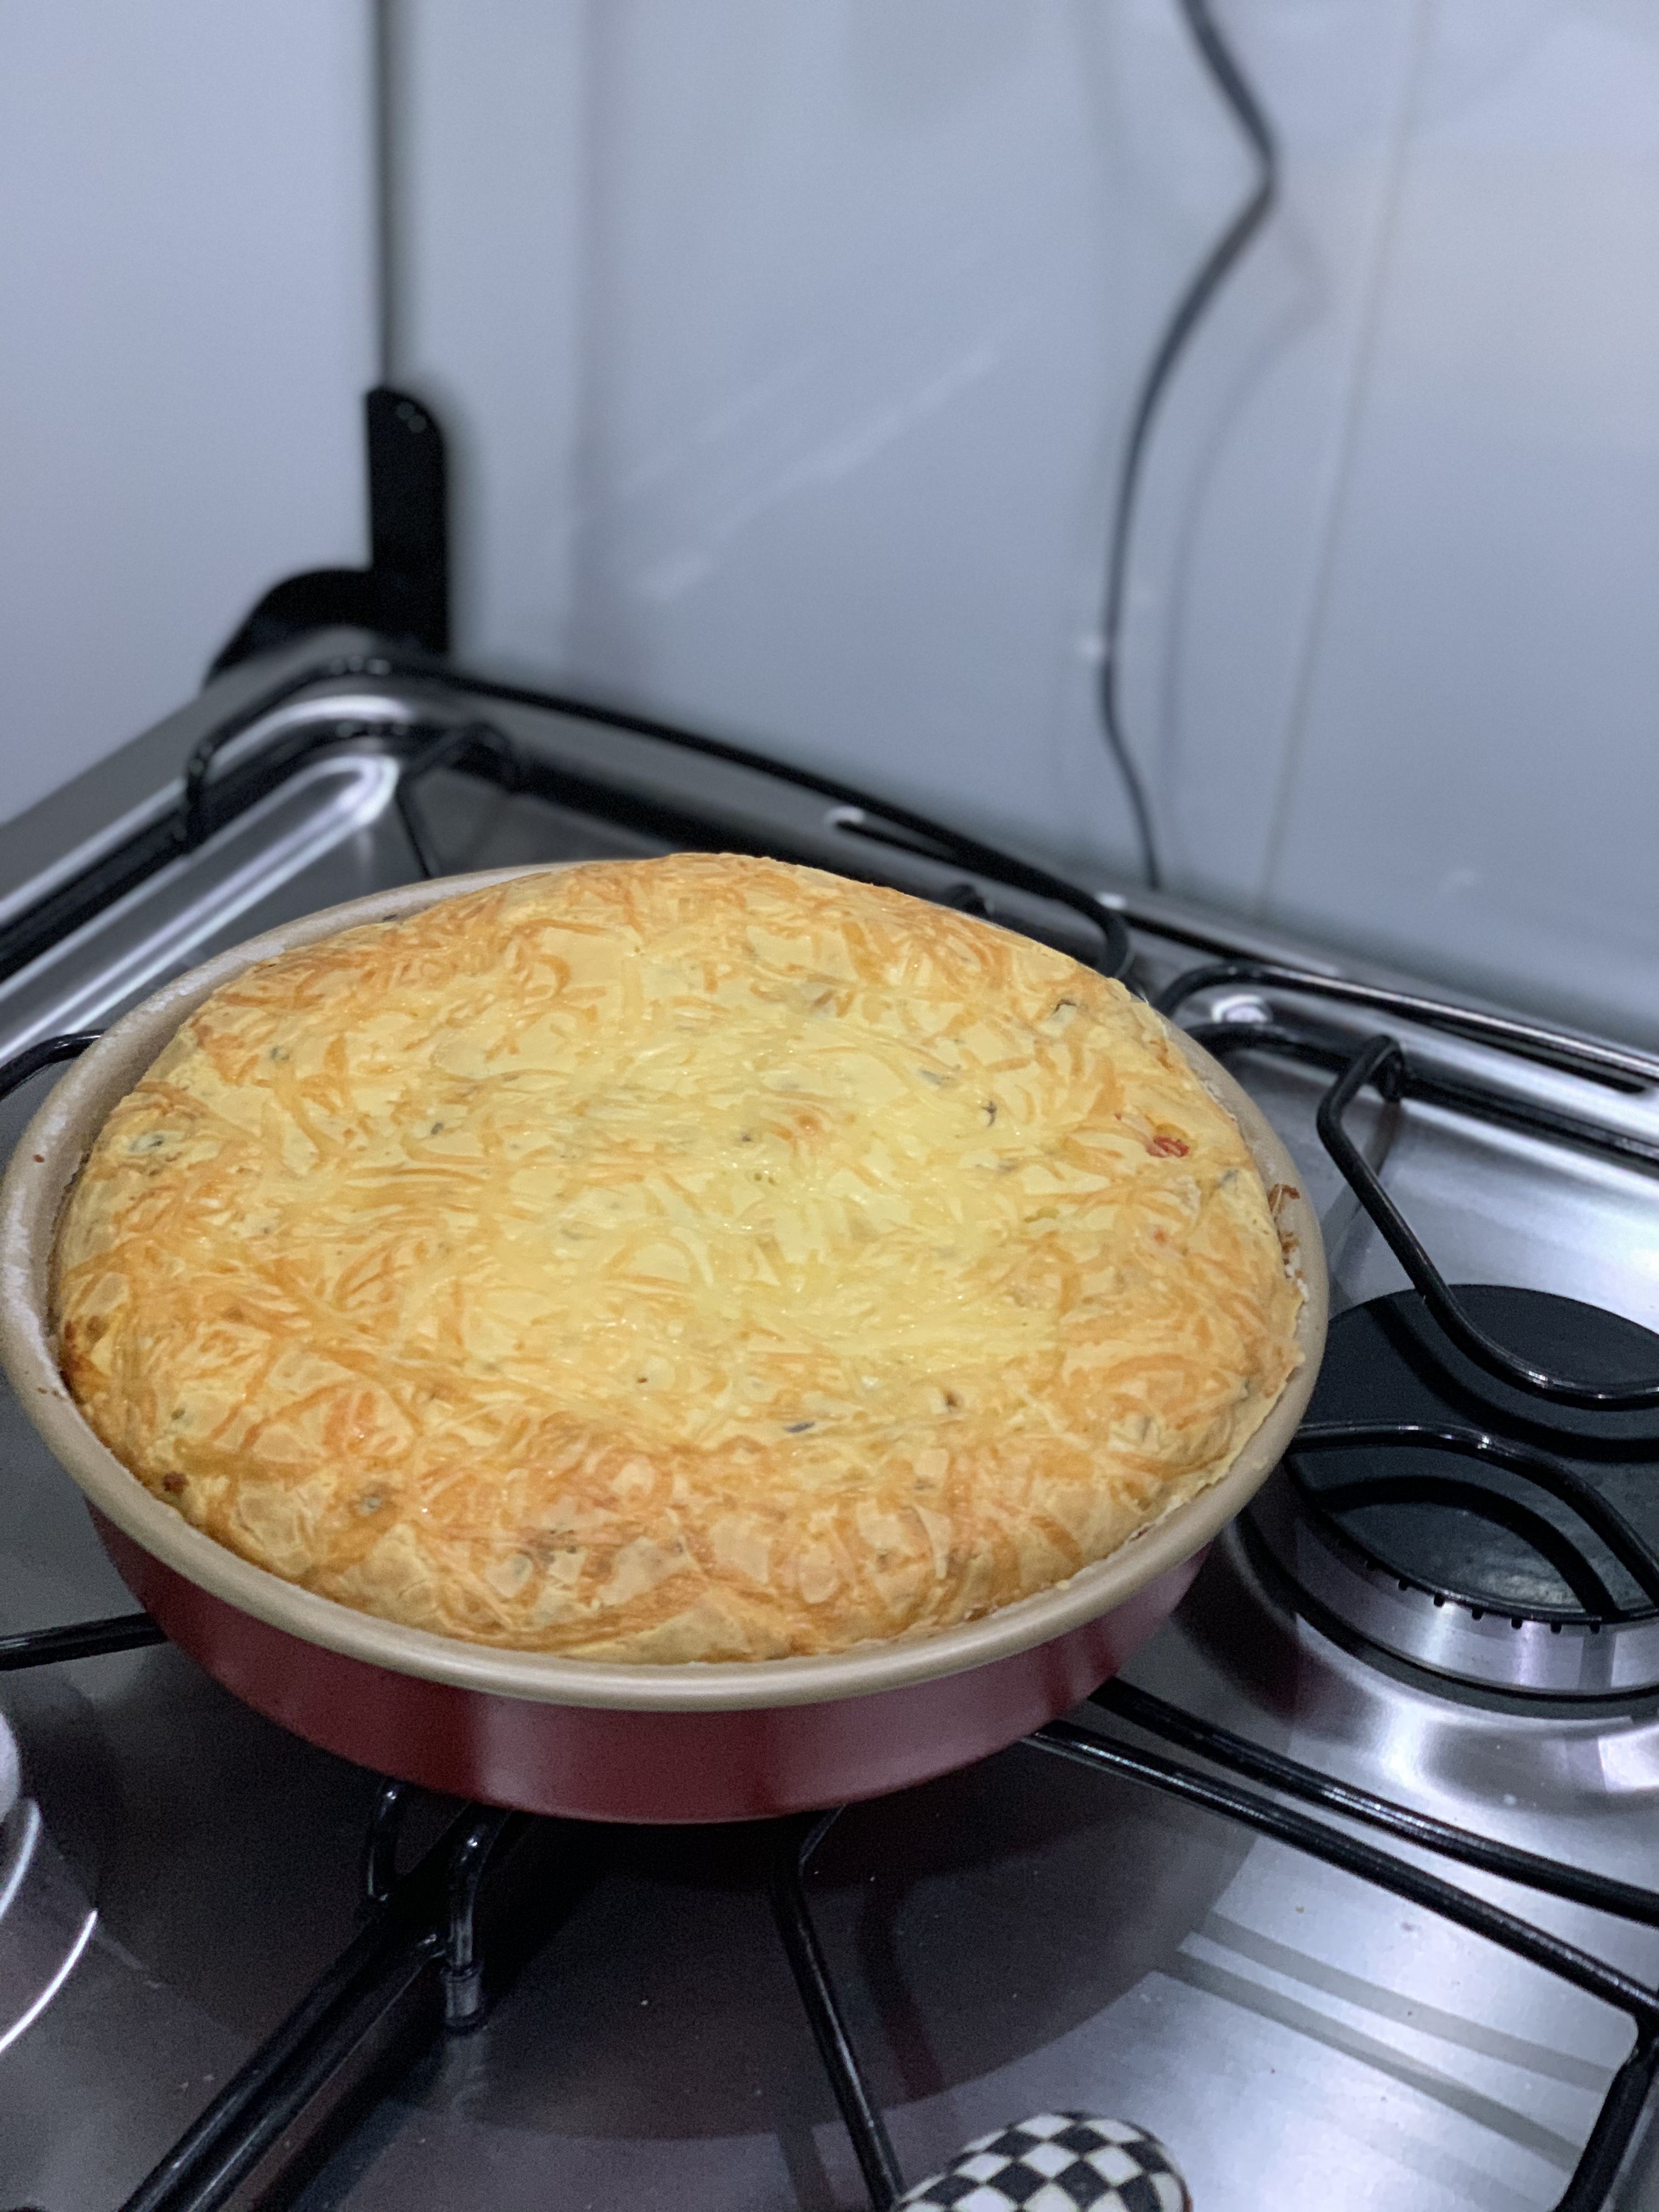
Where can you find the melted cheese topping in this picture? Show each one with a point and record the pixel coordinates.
(698, 1258)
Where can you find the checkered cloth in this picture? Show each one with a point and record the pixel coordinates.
(1058, 2162)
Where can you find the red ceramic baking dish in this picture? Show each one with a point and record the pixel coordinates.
(598, 1741)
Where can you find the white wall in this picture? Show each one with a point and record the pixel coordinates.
(186, 326)
(1472, 767)
(786, 352)
(490, 138)
(818, 443)
(790, 346)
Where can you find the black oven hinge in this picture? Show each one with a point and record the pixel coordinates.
(404, 593)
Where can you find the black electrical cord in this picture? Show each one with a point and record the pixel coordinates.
(1231, 82)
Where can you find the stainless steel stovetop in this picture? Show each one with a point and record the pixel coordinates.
(1025, 1935)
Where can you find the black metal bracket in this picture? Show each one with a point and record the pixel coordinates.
(857, 813)
(1382, 1062)
(212, 794)
(1428, 1087)
(81, 1639)
(465, 2005)
(51, 1052)
(1612, 1066)
(379, 1859)
(1550, 1877)
(797, 1840)
(417, 1923)
(404, 593)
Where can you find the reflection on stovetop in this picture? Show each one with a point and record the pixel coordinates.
(1015, 1937)
(1093, 1923)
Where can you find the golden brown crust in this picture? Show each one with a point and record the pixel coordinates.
(689, 1258)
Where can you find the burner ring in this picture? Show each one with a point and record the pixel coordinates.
(1448, 1518)
(1541, 1653)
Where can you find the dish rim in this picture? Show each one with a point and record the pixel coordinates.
(36, 1186)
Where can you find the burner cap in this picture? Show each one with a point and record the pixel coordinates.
(1468, 1526)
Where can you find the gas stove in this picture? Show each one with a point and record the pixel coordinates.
(1349, 1892)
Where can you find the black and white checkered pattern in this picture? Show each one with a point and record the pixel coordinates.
(1058, 2162)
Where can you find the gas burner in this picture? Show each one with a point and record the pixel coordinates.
(1468, 1526)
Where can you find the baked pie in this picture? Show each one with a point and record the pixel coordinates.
(690, 1259)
